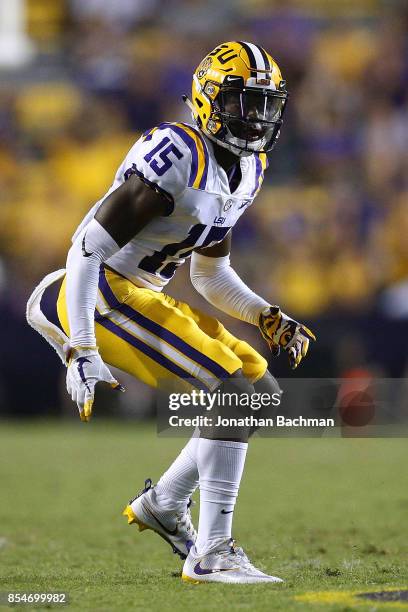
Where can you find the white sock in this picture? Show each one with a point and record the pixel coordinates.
(220, 466)
(180, 481)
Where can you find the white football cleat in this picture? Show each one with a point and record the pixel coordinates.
(174, 527)
(226, 563)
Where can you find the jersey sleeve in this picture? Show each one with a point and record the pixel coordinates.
(166, 159)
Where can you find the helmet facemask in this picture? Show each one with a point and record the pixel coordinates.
(238, 98)
(250, 117)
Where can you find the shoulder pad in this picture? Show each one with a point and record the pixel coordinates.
(187, 138)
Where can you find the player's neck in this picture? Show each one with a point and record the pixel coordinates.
(225, 158)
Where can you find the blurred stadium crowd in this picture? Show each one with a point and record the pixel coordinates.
(327, 237)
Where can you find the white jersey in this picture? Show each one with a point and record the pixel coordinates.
(177, 160)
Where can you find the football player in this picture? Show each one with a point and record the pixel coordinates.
(177, 195)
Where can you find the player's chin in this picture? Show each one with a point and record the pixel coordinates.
(251, 138)
(254, 137)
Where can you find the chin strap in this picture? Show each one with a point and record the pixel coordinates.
(230, 147)
(189, 103)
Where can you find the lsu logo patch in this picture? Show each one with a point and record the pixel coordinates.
(204, 67)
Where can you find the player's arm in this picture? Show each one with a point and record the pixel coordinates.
(126, 211)
(122, 215)
(212, 275)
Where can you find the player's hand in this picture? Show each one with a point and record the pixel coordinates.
(85, 369)
(282, 332)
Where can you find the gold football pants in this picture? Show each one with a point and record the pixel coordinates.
(156, 338)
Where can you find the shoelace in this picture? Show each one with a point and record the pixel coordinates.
(236, 556)
(245, 562)
(182, 518)
(148, 486)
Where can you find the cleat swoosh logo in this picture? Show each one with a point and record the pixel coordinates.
(202, 572)
(171, 532)
(85, 253)
(226, 511)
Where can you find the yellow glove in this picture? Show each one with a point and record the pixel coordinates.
(282, 332)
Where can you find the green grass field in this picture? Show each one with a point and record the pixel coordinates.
(324, 514)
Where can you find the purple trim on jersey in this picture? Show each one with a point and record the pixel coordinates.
(186, 138)
(147, 135)
(203, 180)
(190, 142)
(258, 175)
(159, 331)
(148, 351)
